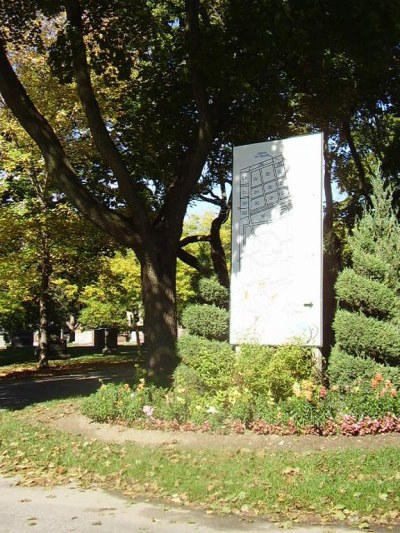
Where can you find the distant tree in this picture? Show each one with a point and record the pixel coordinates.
(43, 239)
(106, 301)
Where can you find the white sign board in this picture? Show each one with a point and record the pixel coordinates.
(276, 287)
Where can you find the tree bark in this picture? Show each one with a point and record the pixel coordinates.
(45, 272)
(218, 257)
(160, 316)
(331, 261)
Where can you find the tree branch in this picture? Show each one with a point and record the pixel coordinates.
(190, 168)
(57, 163)
(101, 137)
(214, 201)
(362, 181)
(194, 45)
(192, 261)
(190, 239)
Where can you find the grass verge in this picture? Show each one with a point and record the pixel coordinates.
(353, 486)
(80, 359)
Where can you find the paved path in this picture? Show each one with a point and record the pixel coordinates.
(18, 393)
(68, 509)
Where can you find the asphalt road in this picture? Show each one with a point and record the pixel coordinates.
(19, 393)
(68, 509)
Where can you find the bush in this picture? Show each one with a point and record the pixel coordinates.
(347, 371)
(206, 320)
(251, 367)
(371, 289)
(188, 378)
(356, 292)
(370, 265)
(212, 292)
(121, 402)
(212, 361)
(362, 402)
(289, 363)
(363, 336)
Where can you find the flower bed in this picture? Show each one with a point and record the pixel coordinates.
(366, 409)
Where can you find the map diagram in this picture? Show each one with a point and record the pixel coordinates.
(265, 209)
(276, 282)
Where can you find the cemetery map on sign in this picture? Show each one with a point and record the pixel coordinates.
(264, 202)
(277, 242)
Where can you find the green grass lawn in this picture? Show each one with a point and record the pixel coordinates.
(11, 355)
(22, 361)
(353, 486)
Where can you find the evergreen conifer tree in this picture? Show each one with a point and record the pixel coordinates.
(367, 322)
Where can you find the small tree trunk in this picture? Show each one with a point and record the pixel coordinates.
(160, 316)
(217, 250)
(43, 341)
(45, 271)
(331, 262)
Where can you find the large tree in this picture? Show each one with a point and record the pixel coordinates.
(199, 76)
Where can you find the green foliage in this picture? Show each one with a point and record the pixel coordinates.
(357, 292)
(289, 363)
(212, 292)
(298, 411)
(234, 382)
(367, 322)
(373, 402)
(376, 238)
(187, 378)
(116, 291)
(122, 402)
(364, 336)
(98, 314)
(347, 371)
(206, 320)
(212, 361)
(251, 369)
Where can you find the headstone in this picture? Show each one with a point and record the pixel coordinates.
(22, 339)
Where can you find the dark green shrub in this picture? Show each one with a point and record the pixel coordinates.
(357, 292)
(370, 290)
(347, 371)
(206, 320)
(363, 336)
(212, 292)
(370, 265)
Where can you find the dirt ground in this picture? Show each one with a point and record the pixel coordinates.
(73, 422)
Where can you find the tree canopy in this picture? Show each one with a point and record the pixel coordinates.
(188, 79)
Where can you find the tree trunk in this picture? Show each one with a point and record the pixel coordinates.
(45, 270)
(160, 316)
(331, 261)
(217, 250)
(43, 341)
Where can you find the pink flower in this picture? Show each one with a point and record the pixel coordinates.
(322, 392)
(148, 410)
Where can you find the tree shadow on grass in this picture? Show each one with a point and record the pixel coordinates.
(17, 394)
